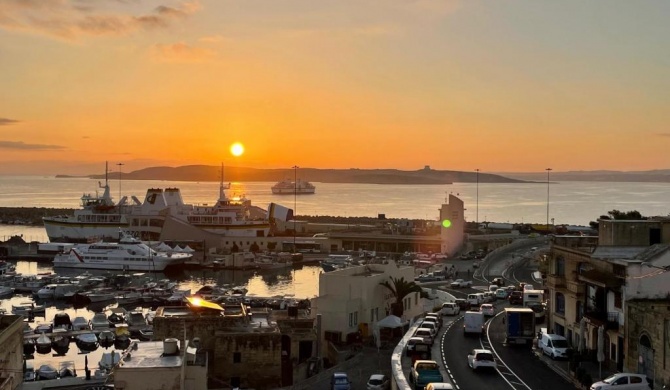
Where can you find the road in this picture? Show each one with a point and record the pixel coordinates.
(517, 368)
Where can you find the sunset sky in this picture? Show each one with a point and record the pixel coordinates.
(504, 86)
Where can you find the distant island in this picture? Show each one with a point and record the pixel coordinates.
(368, 176)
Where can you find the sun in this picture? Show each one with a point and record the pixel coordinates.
(237, 149)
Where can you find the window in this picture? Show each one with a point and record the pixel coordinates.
(559, 266)
(579, 309)
(351, 320)
(635, 379)
(621, 381)
(617, 299)
(560, 303)
(237, 357)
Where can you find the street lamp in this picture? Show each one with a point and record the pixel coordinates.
(295, 200)
(120, 165)
(477, 170)
(548, 170)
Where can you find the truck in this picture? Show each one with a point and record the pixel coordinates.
(424, 372)
(519, 325)
(534, 299)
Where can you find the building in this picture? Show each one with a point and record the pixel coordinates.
(453, 225)
(352, 300)
(162, 365)
(601, 279)
(250, 348)
(11, 353)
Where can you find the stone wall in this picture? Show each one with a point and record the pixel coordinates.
(11, 353)
(254, 358)
(650, 318)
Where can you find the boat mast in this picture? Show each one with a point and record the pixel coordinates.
(222, 194)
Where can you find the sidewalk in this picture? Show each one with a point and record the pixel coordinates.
(561, 367)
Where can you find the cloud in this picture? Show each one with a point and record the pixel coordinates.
(70, 19)
(18, 145)
(180, 52)
(7, 121)
(658, 134)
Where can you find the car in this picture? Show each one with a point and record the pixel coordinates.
(516, 298)
(489, 296)
(487, 309)
(493, 287)
(409, 347)
(623, 380)
(340, 381)
(462, 303)
(498, 282)
(460, 283)
(435, 317)
(481, 358)
(502, 293)
(378, 382)
(439, 386)
(450, 309)
(553, 345)
(429, 325)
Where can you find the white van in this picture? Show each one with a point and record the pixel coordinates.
(475, 299)
(473, 322)
(554, 346)
(450, 309)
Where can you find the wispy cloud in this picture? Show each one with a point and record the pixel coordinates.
(18, 145)
(7, 121)
(71, 19)
(180, 52)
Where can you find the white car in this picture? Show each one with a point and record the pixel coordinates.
(623, 380)
(481, 358)
(459, 283)
(378, 382)
(487, 309)
(450, 309)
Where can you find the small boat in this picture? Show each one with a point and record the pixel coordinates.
(43, 344)
(27, 309)
(47, 371)
(62, 320)
(67, 370)
(122, 334)
(100, 296)
(149, 317)
(80, 323)
(118, 316)
(43, 328)
(109, 360)
(87, 342)
(106, 338)
(128, 298)
(60, 342)
(28, 347)
(29, 374)
(136, 318)
(6, 292)
(99, 321)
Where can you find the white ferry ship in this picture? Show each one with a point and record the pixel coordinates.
(129, 254)
(290, 187)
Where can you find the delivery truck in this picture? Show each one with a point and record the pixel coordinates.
(519, 325)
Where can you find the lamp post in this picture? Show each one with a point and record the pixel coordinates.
(120, 165)
(548, 170)
(295, 200)
(477, 170)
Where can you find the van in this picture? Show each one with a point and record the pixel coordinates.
(473, 322)
(554, 346)
(439, 386)
(476, 299)
(450, 309)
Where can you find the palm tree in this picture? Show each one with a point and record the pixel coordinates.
(400, 288)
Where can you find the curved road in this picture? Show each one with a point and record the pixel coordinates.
(517, 368)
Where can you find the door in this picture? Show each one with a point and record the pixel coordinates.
(645, 362)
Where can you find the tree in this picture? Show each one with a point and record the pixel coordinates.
(625, 215)
(400, 288)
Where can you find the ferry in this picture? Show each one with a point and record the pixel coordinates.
(130, 254)
(290, 187)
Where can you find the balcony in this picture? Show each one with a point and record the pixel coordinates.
(610, 320)
(575, 288)
(556, 281)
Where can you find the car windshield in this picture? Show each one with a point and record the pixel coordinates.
(610, 379)
(484, 357)
(341, 381)
(375, 381)
(560, 343)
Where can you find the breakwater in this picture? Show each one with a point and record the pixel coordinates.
(29, 216)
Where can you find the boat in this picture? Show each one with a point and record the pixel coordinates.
(62, 320)
(146, 334)
(7, 268)
(28, 347)
(87, 342)
(27, 309)
(100, 295)
(290, 187)
(47, 371)
(136, 318)
(106, 338)
(24, 283)
(57, 291)
(67, 370)
(122, 336)
(129, 254)
(6, 291)
(43, 344)
(109, 360)
(80, 323)
(60, 341)
(99, 321)
(29, 373)
(128, 298)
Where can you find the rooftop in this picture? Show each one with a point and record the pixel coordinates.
(150, 355)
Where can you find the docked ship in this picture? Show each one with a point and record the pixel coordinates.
(100, 218)
(129, 254)
(290, 187)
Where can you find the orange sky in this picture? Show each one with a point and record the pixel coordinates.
(500, 86)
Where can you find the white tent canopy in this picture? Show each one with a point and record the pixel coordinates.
(390, 322)
(188, 249)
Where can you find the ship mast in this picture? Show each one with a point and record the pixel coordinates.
(222, 194)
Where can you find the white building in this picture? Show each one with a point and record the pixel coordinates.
(161, 365)
(352, 299)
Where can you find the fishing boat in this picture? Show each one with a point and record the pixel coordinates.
(62, 320)
(43, 344)
(99, 321)
(67, 370)
(87, 342)
(129, 254)
(47, 371)
(290, 187)
(118, 316)
(80, 323)
(60, 341)
(100, 295)
(122, 336)
(109, 360)
(128, 298)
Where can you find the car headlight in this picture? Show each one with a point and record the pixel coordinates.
(597, 388)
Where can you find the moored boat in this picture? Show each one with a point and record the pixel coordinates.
(43, 344)
(87, 342)
(106, 338)
(47, 371)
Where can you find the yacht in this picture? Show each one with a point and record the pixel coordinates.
(290, 187)
(130, 254)
(57, 291)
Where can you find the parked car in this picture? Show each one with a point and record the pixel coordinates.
(487, 309)
(624, 380)
(409, 347)
(432, 325)
(450, 309)
(481, 358)
(426, 333)
(436, 317)
(340, 381)
(554, 346)
(378, 382)
(460, 283)
(439, 386)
